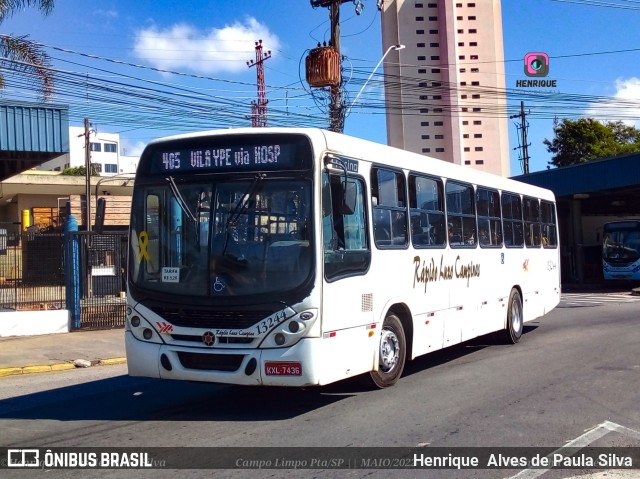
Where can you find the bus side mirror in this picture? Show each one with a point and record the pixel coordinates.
(101, 207)
(349, 198)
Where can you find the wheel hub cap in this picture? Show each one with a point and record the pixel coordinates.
(389, 350)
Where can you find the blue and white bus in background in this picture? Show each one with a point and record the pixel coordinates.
(621, 250)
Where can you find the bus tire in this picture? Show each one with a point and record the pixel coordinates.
(392, 353)
(515, 318)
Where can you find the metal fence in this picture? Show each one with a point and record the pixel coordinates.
(102, 265)
(31, 271)
(32, 275)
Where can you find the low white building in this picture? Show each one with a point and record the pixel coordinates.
(105, 154)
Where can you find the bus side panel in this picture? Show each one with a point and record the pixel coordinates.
(347, 319)
(487, 294)
(551, 279)
(532, 301)
(412, 278)
(541, 286)
(428, 332)
(535, 271)
(429, 297)
(465, 305)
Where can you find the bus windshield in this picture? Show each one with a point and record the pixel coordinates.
(223, 238)
(621, 244)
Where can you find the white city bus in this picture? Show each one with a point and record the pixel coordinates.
(621, 250)
(298, 257)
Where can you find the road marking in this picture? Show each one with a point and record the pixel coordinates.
(585, 439)
(595, 299)
(612, 298)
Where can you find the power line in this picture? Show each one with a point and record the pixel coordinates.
(599, 3)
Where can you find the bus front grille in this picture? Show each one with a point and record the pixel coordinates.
(210, 362)
(221, 339)
(196, 318)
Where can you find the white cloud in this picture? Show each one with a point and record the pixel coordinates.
(132, 148)
(624, 105)
(183, 47)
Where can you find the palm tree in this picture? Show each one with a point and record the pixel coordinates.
(22, 55)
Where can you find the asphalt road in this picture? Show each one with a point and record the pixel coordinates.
(575, 369)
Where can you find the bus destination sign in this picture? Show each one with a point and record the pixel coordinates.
(236, 157)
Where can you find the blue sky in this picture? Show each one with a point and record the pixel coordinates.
(585, 43)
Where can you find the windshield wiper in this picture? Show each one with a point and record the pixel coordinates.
(243, 203)
(241, 207)
(184, 206)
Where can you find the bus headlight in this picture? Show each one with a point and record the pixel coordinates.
(142, 329)
(290, 331)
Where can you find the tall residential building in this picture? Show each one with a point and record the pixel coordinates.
(445, 97)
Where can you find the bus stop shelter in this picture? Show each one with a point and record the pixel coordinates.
(589, 195)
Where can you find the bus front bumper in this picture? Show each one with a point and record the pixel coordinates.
(291, 366)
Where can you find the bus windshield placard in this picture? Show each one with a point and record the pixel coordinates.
(169, 159)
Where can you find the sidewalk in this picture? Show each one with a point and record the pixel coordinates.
(57, 352)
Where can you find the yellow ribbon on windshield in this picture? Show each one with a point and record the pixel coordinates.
(143, 243)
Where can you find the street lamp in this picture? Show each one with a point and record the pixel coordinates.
(392, 47)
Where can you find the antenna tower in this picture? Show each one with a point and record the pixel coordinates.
(259, 109)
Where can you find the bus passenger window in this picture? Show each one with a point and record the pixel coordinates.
(390, 226)
(512, 220)
(489, 223)
(461, 214)
(426, 202)
(549, 230)
(531, 215)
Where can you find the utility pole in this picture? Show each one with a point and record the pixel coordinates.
(259, 109)
(336, 105)
(87, 172)
(87, 201)
(523, 131)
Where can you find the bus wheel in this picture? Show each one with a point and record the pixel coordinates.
(392, 352)
(515, 319)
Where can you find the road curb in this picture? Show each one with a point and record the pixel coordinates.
(112, 361)
(56, 367)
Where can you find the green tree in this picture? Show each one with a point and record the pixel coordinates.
(22, 55)
(79, 171)
(586, 139)
(624, 134)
